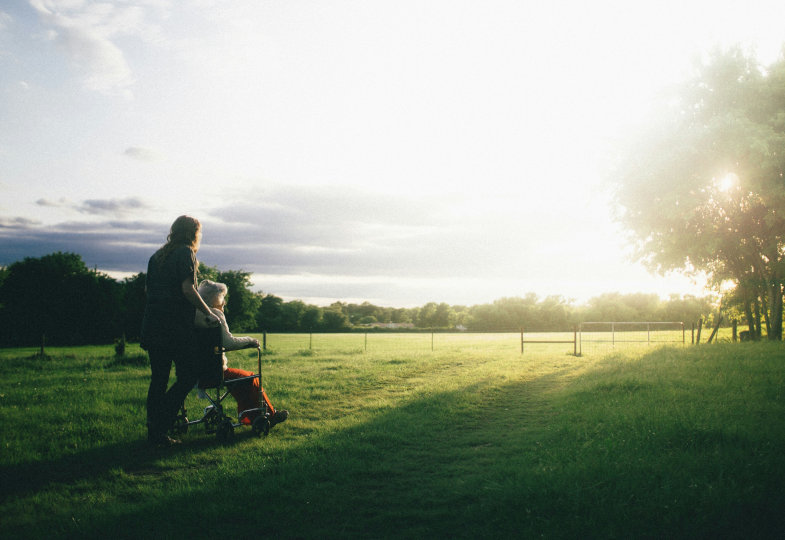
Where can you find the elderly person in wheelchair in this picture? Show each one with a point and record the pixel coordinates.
(246, 394)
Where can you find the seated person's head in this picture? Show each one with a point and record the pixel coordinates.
(213, 293)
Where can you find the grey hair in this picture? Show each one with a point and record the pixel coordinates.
(211, 290)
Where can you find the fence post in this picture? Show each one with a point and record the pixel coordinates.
(700, 327)
(575, 341)
(716, 328)
(735, 327)
(264, 340)
(310, 340)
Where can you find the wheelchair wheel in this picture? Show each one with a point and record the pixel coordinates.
(261, 426)
(212, 421)
(225, 432)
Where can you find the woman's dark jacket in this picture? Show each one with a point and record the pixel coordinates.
(168, 316)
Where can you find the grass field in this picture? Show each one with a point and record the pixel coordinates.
(468, 440)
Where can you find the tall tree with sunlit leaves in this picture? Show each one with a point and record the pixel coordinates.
(702, 187)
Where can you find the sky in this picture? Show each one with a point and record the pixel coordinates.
(396, 152)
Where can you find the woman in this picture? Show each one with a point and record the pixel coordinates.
(168, 333)
(246, 394)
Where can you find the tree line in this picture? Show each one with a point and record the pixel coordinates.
(60, 299)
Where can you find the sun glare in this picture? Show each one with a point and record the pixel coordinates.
(727, 182)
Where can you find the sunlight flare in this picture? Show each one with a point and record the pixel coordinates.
(727, 182)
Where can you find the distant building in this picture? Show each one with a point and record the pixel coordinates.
(393, 325)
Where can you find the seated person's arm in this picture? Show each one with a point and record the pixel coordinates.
(230, 342)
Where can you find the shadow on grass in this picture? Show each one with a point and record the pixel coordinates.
(132, 456)
(366, 475)
(519, 465)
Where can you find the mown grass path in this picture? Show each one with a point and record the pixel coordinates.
(467, 442)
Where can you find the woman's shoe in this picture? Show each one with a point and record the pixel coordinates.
(162, 440)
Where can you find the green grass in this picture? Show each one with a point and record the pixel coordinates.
(469, 440)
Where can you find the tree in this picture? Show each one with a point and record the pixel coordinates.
(3, 274)
(269, 316)
(311, 318)
(687, 308)
(430, 316)
(703, 189)
(242, 303)
(554, 313)
(506, 314)
(59, 297)
(401, 315)
(292, 315)
(443, 317)
(622, 307)
(133, 303)
(334, 319)
(461, 316)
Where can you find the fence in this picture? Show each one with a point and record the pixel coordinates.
(604, 335)
(595, 336)
(415, 342)
(556, 338)
(587, 338)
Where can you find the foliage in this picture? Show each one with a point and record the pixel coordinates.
(119, 346)
(242, 304)
(433, 315)
(702, 187)
(134, 297)
(59, 297)
(529, 313)
(269, 315)
(334, 320)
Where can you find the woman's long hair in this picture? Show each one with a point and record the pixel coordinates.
(184, 232)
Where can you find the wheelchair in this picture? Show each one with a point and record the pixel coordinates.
(211, 382)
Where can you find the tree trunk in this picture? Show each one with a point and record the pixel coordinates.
(775, 320)
(748, 312)
(757, 333)
(765, 310)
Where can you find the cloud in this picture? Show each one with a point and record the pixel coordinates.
(97, 206)
(351, 232)
(286, 231)
(308, 217)
(86, 33)
(142, 154)
(5, 20)
(106, 245)
(344, 243)
(323, 255)
(17, 223)
(59, 203)
(111, 206)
